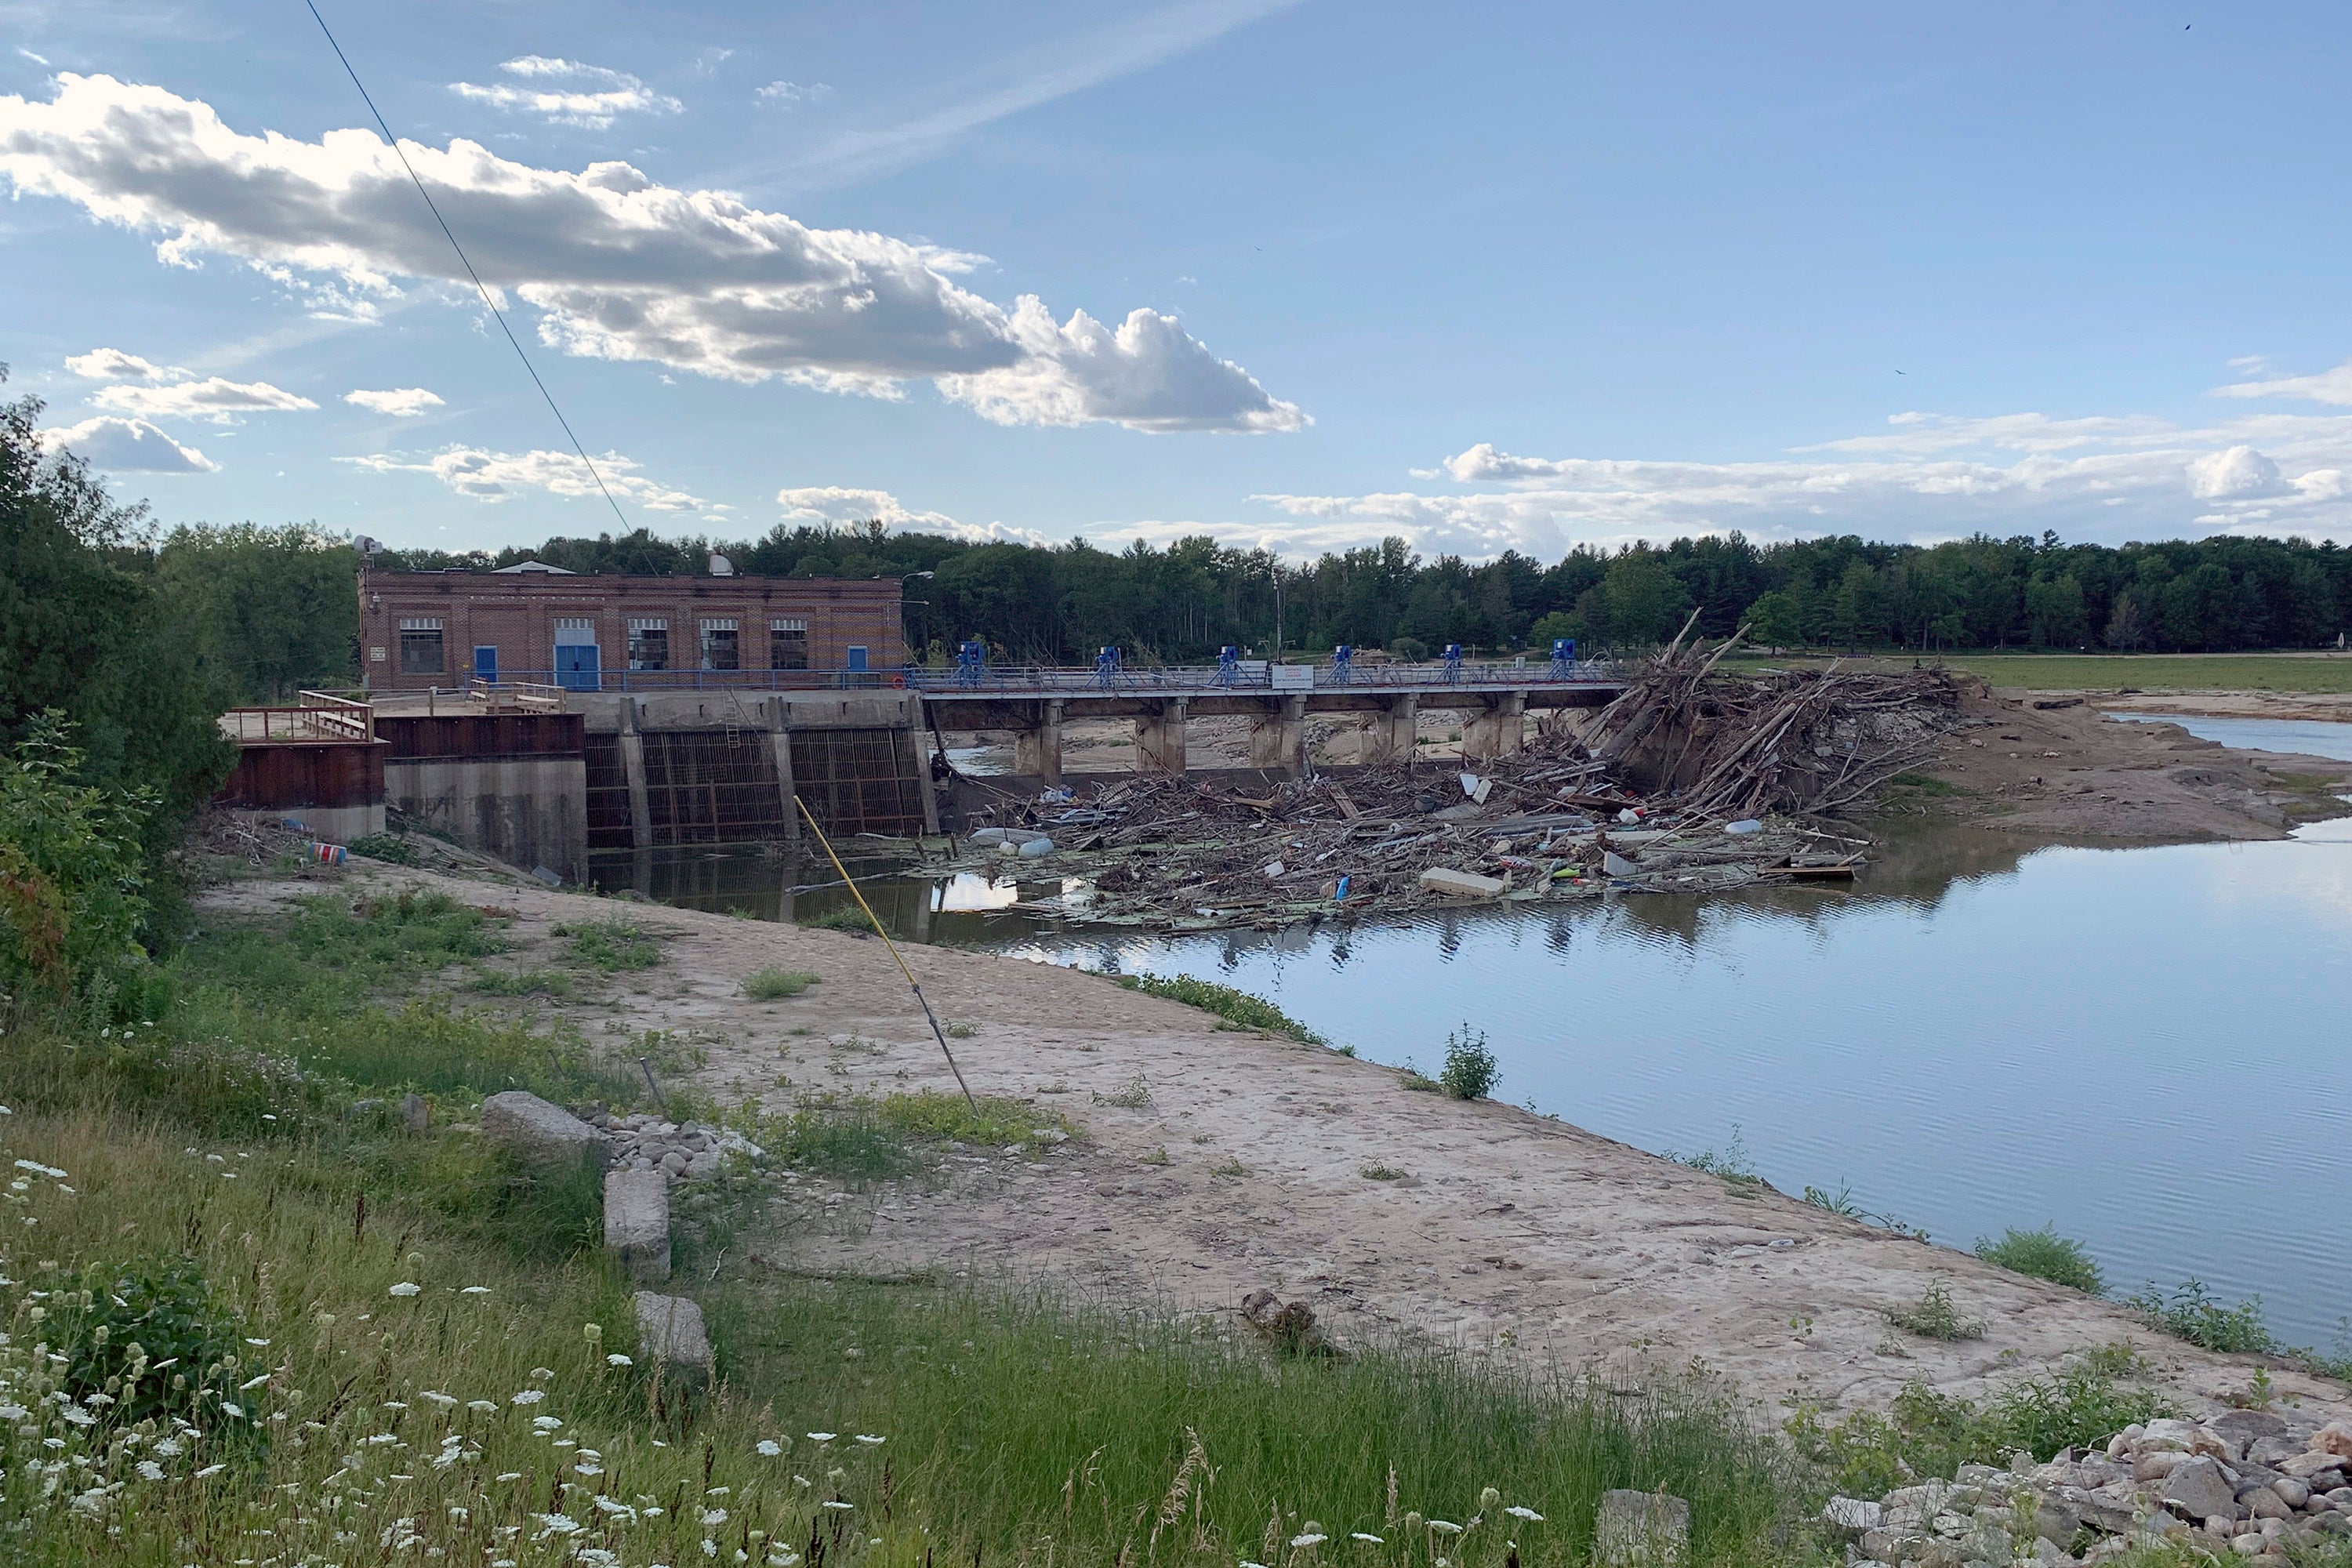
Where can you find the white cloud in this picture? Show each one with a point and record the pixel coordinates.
(113, 364)
(128, 446)
(1149, 374)
(212, 398)
(2232, 472)
(792, 94)
(2328, 386)
(838, 505)
(570, 93)
(399, 402)
(496, 476)
(619, 267)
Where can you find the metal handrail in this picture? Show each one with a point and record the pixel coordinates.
(1031, 680)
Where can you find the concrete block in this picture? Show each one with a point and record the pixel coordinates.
(1461, 884)
(636, 1222)
(1641, 1530)
(670, 1330)
(538, 1131)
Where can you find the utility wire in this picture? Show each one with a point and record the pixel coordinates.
(514, 343)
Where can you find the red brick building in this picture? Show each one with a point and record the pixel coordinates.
(425, 629)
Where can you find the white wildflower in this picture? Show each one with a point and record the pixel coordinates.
(1313, 1539)
(870, 1442)
(545, 1423)
(511, 1476)
(445, 1401)
(474, 1291)
(209, 1471)
(837, 1503)
(482, 1406)
(1446, 1525)
(1530, 1515)
(1374, 1539)
(148, 1470)
(616, 1359)
(767, 1449)
(714, 1515)
(529, 1396)
(406, 1287)
(822, 1436)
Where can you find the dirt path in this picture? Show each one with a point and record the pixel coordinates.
(1245, 1169)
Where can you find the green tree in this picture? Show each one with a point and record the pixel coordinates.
(1643, 600)
(1774, 620)
(277, 604)
(2054, 615)
(1858, 610)
(84, 632)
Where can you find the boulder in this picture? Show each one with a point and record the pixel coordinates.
(1853, 1515)
(2201, 1489)
(636, 1222)
(1641, 1530)
(670, 1331)
(415, 1114)
(538, 1131)
(2336, 1437)
(2321, 1470)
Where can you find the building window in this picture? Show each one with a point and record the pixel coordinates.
(721, 650)
(420, 648)
(788, 645)
(649, 645)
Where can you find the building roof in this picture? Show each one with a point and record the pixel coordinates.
(534, 566)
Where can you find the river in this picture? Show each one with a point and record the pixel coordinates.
(2145, 1047)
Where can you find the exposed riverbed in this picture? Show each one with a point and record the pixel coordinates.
(2143, 1046)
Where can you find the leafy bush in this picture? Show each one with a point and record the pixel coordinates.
(1925, 1433)
(2046, 1255)
(151, 1337)
(776, 984)
(1470, 1071)
(1234, 1007)
(1934, 1317)
(2191, 1313)
(71, 880)
(841, 917)
(386, 846)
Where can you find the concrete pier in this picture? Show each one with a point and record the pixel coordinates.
(1500, 731)
(1278, 738)
(1037, 745)
(1160, 737)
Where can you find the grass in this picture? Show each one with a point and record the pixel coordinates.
(1235, 1006)
(1380, 1170)
(520, 983)
(1928, 785)
(776, 985)
(931, 1114)
(1935, 1316)
(1415, 1082)
(367, 1374)
(2147, 671)
(1147, 1437)
(1133, 1095)
(611, 944)
(1930, 1433)
(1733, 1166)
(2046, 1255)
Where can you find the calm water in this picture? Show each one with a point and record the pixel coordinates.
(2148, 1047)
(2313, 737)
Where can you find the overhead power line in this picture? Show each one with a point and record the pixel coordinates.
(479, 287)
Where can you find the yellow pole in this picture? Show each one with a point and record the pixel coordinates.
(937, 1033)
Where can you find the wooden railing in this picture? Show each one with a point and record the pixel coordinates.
(515, 696)
(321, 717)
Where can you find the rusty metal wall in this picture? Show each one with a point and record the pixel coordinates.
(288, 777)
(418, 737)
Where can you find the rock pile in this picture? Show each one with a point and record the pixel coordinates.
(684, 1152)
(2246, 1482)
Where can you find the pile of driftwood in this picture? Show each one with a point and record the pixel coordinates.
(1802, 742)
(1690, 781)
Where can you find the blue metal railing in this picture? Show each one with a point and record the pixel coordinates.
(1031, 680)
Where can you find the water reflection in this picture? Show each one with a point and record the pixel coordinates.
(2140, 1045)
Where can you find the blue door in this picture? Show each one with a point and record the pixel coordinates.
(576, 668)
(856, 663)
(486, 663)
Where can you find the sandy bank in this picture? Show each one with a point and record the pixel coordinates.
(1244, 1169)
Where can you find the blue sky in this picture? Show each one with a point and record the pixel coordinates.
(1294, 274)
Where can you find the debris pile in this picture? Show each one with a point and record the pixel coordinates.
(2244, 1483)
(1813, 742)
(1735, 774)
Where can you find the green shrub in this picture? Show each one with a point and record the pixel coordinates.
(1470, 1071)
(841, 917)
(2191, 1313)
(1235, 1006)
(1925, 1433)
(389, 847)
(776, 985)
(2046, 1255)
(1934, 1317)
(72, 899)
(159, 1313)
